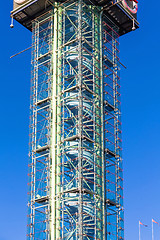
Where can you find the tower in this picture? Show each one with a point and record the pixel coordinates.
(75, 165)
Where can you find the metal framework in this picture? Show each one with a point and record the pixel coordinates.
(75, 168)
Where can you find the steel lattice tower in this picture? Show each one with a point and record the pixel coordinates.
(75, 165)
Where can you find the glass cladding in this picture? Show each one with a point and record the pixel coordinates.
(80, 202)
(40, 129)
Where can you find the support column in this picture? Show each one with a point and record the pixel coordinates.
(80, 154)
(59, 130)
(54, 127)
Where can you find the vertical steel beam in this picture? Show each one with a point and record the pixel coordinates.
(102, 131)
(59, 131)
(54, 130)
(80, 155)
(98, 136)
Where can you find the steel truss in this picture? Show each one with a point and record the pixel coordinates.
(75, 176)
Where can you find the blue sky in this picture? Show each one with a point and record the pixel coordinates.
(140, 82)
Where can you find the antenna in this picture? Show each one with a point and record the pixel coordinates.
(21, 52)
(133, 28)
(11, 26)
